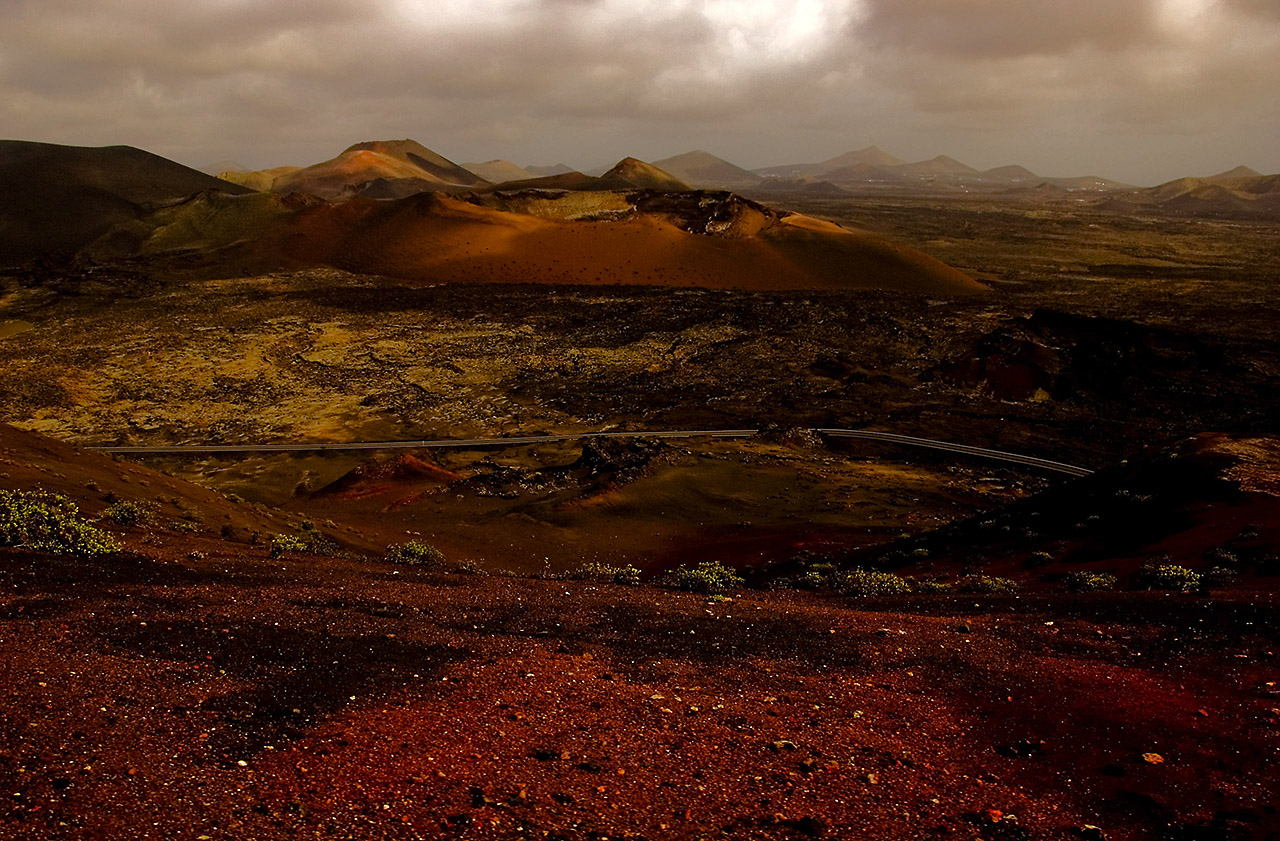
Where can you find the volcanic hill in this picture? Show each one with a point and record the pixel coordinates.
(61, 198)
(705, 170)
(408, 166)
(715, 240)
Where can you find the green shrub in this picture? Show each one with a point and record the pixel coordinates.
(49, 522)
(128, 512)
(415, 552)
(1089, 582)
(1038, 559)
(1166, 577)
(606, 574)
(861, 582)
(930, 585)
(707, 577)
(985, 584)
(812, 580)
(281, 543)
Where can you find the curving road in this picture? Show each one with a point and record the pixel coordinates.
(462, 443)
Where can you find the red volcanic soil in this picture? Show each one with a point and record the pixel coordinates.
(198, 687)
(238, 696)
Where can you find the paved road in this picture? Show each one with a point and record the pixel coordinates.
(465, 443)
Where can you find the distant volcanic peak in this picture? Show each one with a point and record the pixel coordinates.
(405, 150)
(554, 169)
(633, 172)
(408, 161)
(1238, 172)
(497, 171)
(1012, 172)
(413, 152)
(941, 165)
(859, 172)
(703, 169)
(872, 155)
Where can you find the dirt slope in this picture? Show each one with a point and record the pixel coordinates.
(61, 198)
(30, 462)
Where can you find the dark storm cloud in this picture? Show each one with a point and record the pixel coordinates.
(765, 81)
(975, 29)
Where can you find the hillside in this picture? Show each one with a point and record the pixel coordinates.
(704, 170)
(61, 198)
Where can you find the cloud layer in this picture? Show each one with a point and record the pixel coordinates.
(1134, 89)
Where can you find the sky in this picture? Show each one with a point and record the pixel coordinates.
(1137, 90)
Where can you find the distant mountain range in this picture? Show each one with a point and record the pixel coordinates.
(398, 168)
(62, 198)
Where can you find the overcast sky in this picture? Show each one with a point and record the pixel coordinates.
(1138, 90)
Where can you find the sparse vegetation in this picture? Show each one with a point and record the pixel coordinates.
(1166, 577)
(415, 552)
(48, 522)
(930, 585)
(1089, 582)
(985, 584)
(604, 573)
(707, 577)
(861, 582)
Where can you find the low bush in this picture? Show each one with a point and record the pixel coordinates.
(930, 585)
(861, 582)
(1038, 559)
(1218, 576)
(1089, 582)
(415, 552)
(49, 522)
(985, 584)
(281, 543)
(605, 574)
(707, 577)
(1166, 577)
(128, 512)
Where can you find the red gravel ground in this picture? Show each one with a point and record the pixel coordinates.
(240, 697)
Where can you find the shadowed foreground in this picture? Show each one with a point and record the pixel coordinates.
(245, 697)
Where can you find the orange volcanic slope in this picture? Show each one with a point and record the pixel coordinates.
(373, 160)
(683, 239)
